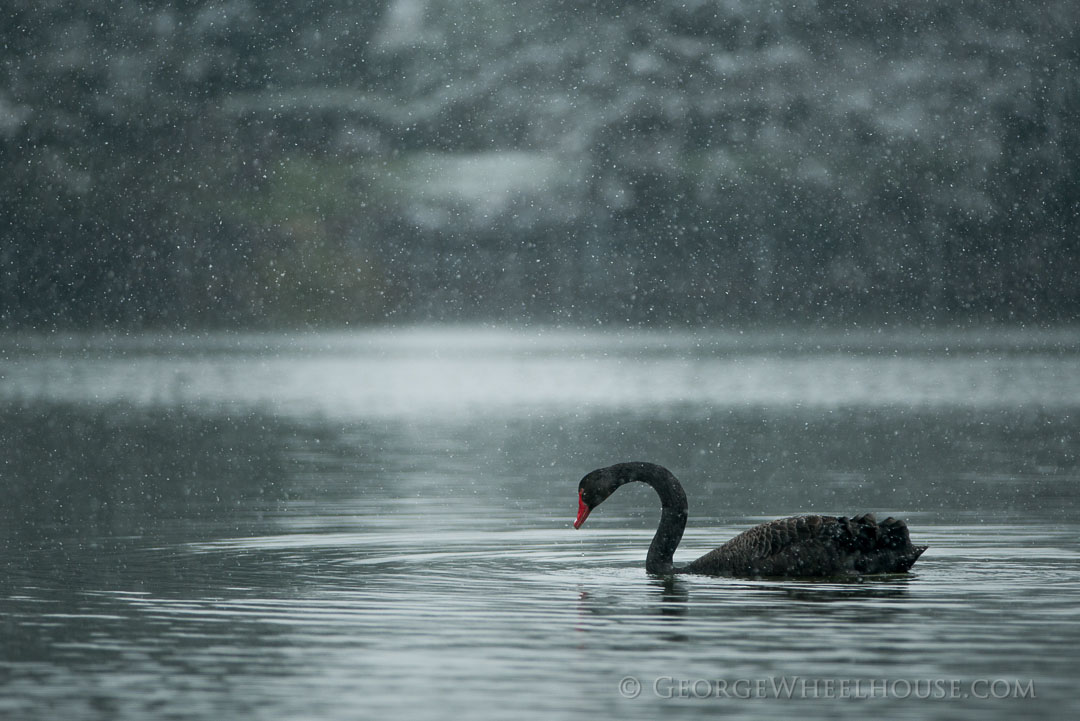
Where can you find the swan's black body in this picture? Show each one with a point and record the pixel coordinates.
(802, 546)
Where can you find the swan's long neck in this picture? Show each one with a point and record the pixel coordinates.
(666, 540)
(673, 514)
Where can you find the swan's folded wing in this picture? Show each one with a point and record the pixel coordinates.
(813, 546)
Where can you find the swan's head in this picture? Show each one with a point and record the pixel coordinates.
(593, 490)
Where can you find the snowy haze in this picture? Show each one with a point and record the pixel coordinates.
(272, 164)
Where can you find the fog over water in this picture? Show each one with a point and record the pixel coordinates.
(435, 372)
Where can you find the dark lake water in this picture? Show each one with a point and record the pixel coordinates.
(378, 525)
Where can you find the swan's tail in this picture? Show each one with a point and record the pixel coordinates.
(885, 547)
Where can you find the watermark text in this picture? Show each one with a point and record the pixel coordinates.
(799, 687)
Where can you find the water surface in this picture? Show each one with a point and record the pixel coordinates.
(360, 525)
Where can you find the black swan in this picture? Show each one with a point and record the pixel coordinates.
(801, 546)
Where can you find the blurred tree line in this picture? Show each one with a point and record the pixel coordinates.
(256, 163)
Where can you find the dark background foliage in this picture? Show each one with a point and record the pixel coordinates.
(254, 163)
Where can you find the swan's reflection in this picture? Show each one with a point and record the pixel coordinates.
(674, 595)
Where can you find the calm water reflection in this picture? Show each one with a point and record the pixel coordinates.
(275, 528)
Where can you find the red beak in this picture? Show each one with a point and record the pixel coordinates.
(582, 511)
